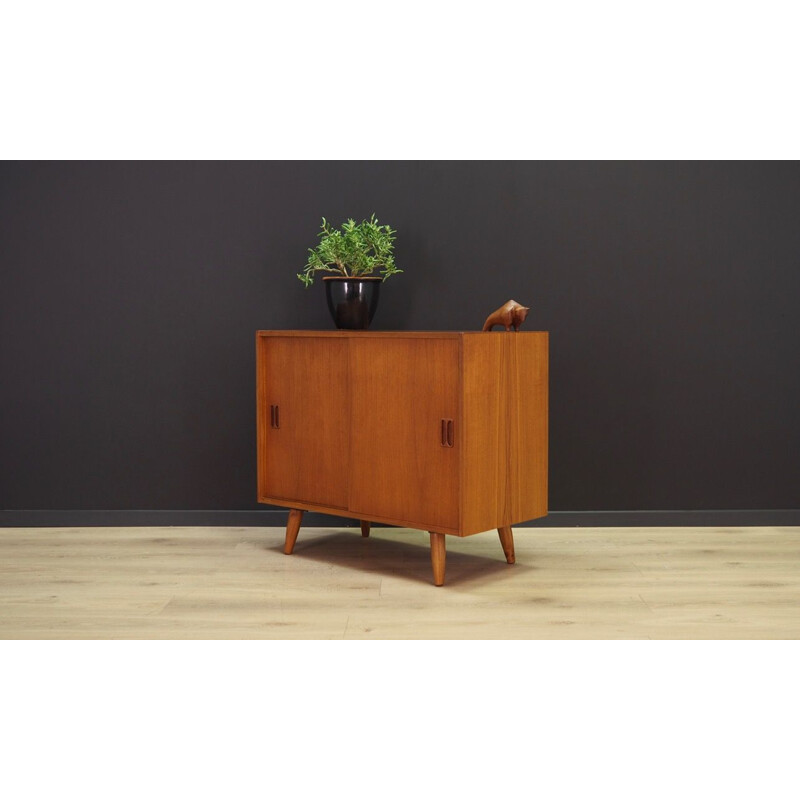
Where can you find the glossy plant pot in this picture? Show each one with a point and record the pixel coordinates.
(352, 301)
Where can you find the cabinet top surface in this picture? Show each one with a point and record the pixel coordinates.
(397, 334)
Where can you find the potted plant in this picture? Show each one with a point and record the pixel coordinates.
(353, 252)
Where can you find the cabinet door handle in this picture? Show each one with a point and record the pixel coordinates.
(277, 416)
(274, 417)
(447, 433)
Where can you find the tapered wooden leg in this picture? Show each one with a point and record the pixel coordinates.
(507, 540)
(292, 528)
(364, 527)
(437, 557)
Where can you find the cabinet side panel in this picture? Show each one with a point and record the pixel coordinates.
(529, 433)
(485, 492)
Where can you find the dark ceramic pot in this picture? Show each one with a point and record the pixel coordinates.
(352, 301)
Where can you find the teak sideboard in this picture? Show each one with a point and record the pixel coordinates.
(445, 432)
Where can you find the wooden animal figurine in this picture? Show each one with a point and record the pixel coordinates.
(510, 315)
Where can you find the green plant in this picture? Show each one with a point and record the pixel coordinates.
(352, 251)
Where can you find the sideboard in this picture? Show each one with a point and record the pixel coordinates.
(441, 431)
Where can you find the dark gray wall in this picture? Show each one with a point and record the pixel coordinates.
(131, 292)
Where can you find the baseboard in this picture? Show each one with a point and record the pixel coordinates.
(555, 519)
(733, 517)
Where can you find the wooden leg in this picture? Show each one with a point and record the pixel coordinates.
(364, 527)
(437, 557)
(292, 528)
(507, 540)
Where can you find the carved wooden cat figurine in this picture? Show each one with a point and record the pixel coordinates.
(510, 315)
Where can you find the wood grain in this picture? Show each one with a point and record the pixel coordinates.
(528, 420)
(236, 583)
(374, 518)
(485, 443)
(438, 555)
(349, 334)
(292, 529)
(507, 543)
(505, 391)
(510, 315)
(307, 457)
(444, 432)
(401, 390)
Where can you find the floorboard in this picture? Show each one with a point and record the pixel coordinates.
(236, 583)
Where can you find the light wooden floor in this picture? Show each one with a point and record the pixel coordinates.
(568, 583)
